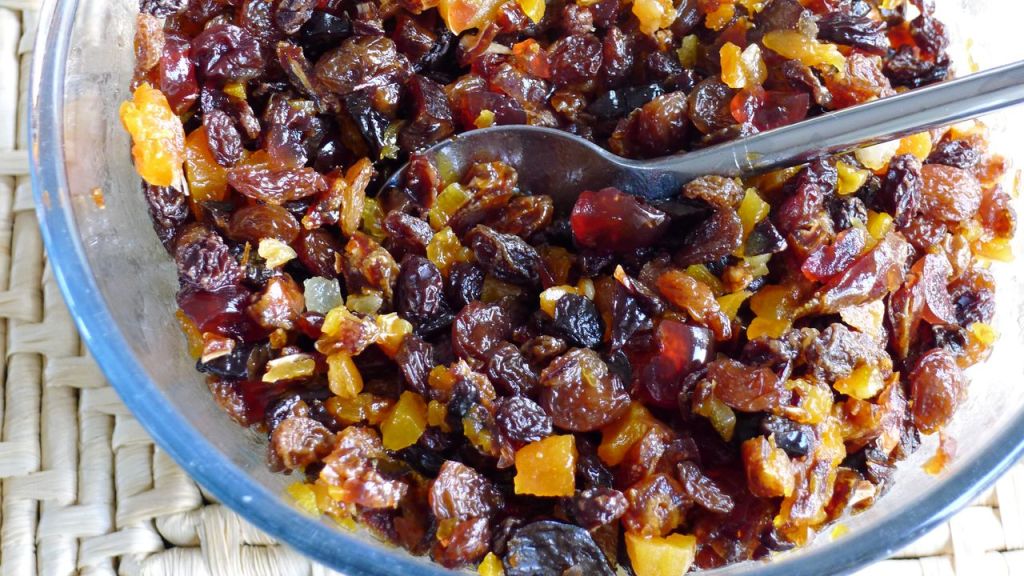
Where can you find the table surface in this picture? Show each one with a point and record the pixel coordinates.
(84, 489)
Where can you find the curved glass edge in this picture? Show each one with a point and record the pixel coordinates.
(227, 482)
(255, 503)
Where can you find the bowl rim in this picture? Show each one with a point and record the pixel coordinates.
(232, 486)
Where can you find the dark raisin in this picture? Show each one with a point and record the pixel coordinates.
(419, 295)
(957, 153)
(415, 358)
(905, 68)
(702, 490)
(465, 283)
(320, 252)
(549, 548)
(597, 506)
(168, 208)
(765, 238)
(324, 30)
(521, 421)
(291, 15)
(860, 32)
(431, 119)
(709, 106)
(204, 260)
(576, 319)
(510, 372)
(505, 256)
(845, 210)
(795, 439)
(719, 235)
(900, 194)
(657, 128)
(575, 58)
(361, 62)
(178, 74)
(162, 8)
(226, 53)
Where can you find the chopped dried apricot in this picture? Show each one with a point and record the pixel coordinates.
(158, 137)
(653, 556)
(547, 467)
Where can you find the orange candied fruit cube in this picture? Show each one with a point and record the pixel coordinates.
(920, 145)
(769, 470)
(619, 437)
(796, 46)
(547, 467)
(157, 134)
(406, 422)
(444, 249)
(654, 556)
(490, 566)
(207, 180)
(534, 9)
(343, 377)
(742, 68)
(654, 15)
(393, 330)
(721, 16)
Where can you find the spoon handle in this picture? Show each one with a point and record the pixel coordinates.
(836, 132)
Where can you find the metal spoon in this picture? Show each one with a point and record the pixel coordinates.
(562, 165)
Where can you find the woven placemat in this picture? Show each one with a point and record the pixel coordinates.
(85, 491)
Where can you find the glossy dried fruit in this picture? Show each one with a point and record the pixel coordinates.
(549, 548)
(157, 135)
(580, 393)
(937, 387)
(613, 221)
(505, 256)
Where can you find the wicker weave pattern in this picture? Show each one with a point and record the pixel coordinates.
(85, 491)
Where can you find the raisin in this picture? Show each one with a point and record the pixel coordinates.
(226, 53)
(301, 441)
(656, 506)
(709, 106)
(521, 421)
(407, 234)
(419, 295)
(510, 372)
(702, 490)
(361, 62)
(949, 194)
(957, 153)
(258, 221)
(905, 68)
(178, 74)
(478, 328)
(415, 358)
(582, 408)
(937, 387)
(575, 58)
(576, 319)
(431, 119)
(597, 506)
(204, 260)
(844, 210)
(550, 548)
(320, 252)
(900, 194)
(162, 8)
(276, 186)
(745, 388)
(505, 256)
(525, 216)
(857, 31)
(168, 208)
(465, 283)
(291, 15)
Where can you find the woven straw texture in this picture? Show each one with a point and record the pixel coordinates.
(83, 489)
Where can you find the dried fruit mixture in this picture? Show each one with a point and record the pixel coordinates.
(470, 374)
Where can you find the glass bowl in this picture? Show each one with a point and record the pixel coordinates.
(119, 284)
